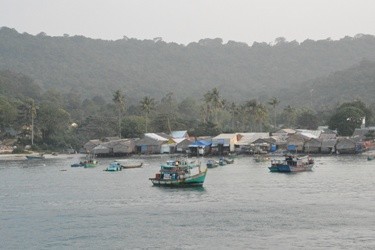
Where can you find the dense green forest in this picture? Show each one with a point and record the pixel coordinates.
(72, 89)
(153, 67)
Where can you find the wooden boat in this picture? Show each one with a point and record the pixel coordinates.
(212, 164)
(114, 166)
(180, 173)
(35, 157)
(135, 165)
(90, 163)
(292, 164)
(229, 160)
(75, 165)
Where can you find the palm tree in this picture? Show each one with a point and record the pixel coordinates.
(260, 115)
(290, 114)
(147, 105)
(214, 101)
(119, 100)
(274, 102)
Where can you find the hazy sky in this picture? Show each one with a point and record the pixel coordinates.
(185, 21)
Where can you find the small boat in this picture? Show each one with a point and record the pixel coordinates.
(370, 157)
(135, 165)
(212, 164)
(261, 158)
(35, 157)
(222, 162)
(180, 173)
(229, 160)
(292, 164)
(114, 166)
(76, 165)
(90, 163)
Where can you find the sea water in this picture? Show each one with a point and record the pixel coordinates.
(46, 204)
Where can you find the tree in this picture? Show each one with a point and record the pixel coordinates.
(213, 103)
(306, 119)
(289, 115)
(119, 100)
(52, 121)
(147, 105)
(260, 115)
(346, 119)
(274, 102)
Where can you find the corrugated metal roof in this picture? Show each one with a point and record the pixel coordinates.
(155, 137)
(179, 134)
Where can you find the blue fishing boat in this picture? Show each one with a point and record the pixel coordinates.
(292, 164)
(113, 167)
(180, 173)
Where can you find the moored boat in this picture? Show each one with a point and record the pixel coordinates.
(90, 163)
(261, 158)
(180, 173)
(113, 167)
(370, 157)
(229, 160)
(212, 164)
(292, 164)
(75, 165)
(35, 157)
(131, 165)
(222, 162)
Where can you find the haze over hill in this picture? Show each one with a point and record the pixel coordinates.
(153, 67)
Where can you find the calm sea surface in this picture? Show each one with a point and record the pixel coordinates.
(49, 205)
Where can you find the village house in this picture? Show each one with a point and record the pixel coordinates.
(245, 142)
(328, 146)
(313, 145)
(154, 143)
(224, 143)
(296, 142)
(347, 146)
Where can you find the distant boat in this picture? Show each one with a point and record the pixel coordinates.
(180, 173)
(292, 164)
(261, 158)
(212, 164)
(35, 157)
(229, 160)
(370, 157)
(127, 165)
(114, 166)
(222, 162)
(90, 162)
(75, 165)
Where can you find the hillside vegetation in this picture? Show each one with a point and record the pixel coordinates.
(335, 70)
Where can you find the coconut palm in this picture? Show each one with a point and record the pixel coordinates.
(147, 105)
(274, 102)
(119, 100)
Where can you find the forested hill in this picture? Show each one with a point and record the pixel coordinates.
(154, 67)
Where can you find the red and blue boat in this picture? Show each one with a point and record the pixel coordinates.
(292, 164)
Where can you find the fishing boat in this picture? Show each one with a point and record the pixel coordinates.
(90, 163)
(212, 164)
(222, 162)
(35, 157)
(370, 157)
(180, 173)
(113, 167)
(292, 164)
